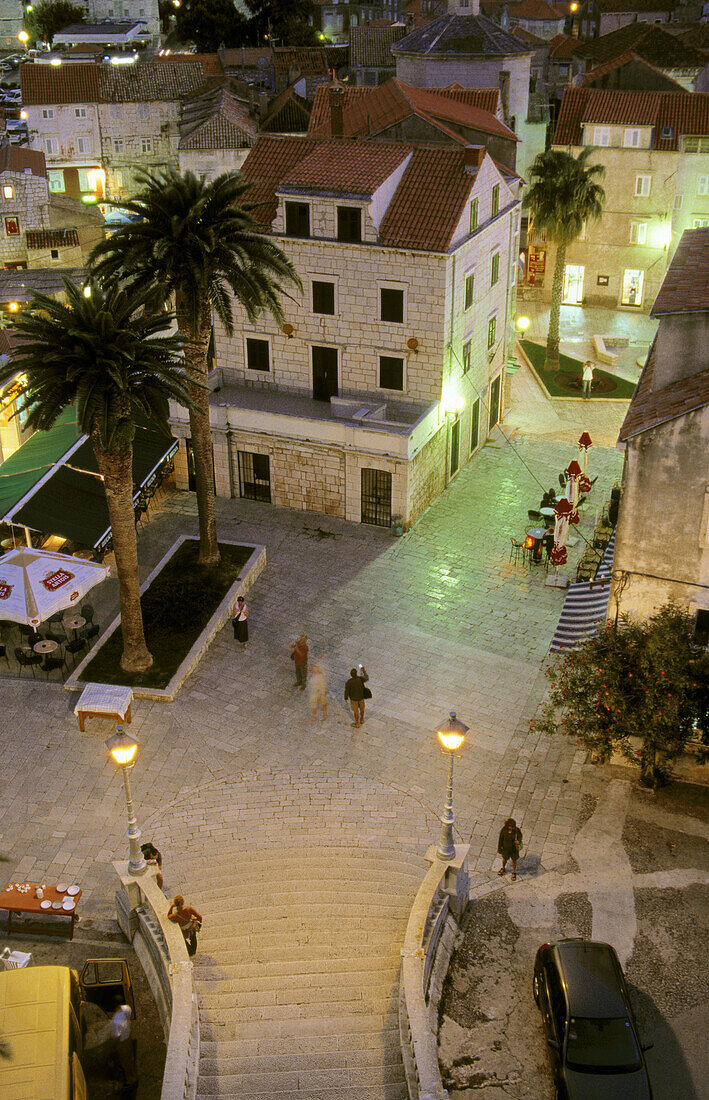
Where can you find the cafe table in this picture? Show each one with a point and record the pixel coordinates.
(549, 515)
(20, 898)
(537, 533)
(45, 646)
(74, 622)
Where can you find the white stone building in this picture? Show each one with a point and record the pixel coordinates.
(388, 373)
(98, 124)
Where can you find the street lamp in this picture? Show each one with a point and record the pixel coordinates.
(123, 748)
(451, 733)
(523, 324)
(23, 37)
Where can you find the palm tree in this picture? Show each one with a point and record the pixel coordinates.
(562, 198)
(100, 354)
(197, 241)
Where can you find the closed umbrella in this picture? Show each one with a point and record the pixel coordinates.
(573, 473)
(584, 480)
(35, 584)
(563, 510)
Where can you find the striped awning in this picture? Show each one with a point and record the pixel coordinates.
(585, 606)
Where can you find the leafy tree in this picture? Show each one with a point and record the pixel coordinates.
(51, 16)
(287, 22)
(103, 355)
(563, 196)
(195, 242)
(638, 683)
(211, 24)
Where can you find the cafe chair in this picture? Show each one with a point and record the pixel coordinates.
(516, 550)
(52, 636)
(27, 659)
(3, 653)
(90, 631)
(87, 612)
(535, 518)
(77, 646)
(29, 633)
(50, 663)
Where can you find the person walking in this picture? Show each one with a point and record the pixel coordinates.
(362, 673)
(354, 692)
(299, 657)
(189, 920)
(121, 1041)
(587, 378)
(508, 845)
(240, 621)
(317, 689)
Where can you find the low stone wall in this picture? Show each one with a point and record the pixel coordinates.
(253, 568)
(428, 945)
(141, 909)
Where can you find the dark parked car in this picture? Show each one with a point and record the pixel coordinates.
(589, 1023)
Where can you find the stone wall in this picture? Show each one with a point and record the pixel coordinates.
(427, 474)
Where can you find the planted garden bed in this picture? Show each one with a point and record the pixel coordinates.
(179, 600)
(567, 381)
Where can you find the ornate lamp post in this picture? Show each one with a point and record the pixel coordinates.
(451, 734)
(123, 748)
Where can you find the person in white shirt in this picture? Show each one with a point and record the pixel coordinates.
(587, 378)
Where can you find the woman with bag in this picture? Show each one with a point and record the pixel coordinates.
(189, 921)
(240, 621)
(509, 845)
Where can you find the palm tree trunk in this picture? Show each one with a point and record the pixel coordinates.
(195, 348)
(551, 362)
(117, 471)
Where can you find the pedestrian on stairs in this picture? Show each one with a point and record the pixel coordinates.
(189, 920)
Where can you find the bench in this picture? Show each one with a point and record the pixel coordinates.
(104, 700)
(602, 353)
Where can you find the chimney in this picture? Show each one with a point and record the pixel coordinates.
(262, 104)
(335, 101)
(473, 157)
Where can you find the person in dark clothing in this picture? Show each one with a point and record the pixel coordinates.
(152, 855)
(354, 692)
(509, 845)
(299, 656)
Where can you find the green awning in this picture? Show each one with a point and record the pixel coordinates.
(34, 459)
(71, 504)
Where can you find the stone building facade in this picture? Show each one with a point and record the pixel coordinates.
(654, 148)
(389, 370)
(662, 535)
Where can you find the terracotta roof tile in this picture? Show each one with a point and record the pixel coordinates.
(249, 58)
(535, 9)
(269, 161)
(428, 202)
(375, 109)
(697, 36)
(211, 65)
(460, 36)
(649, 407)
(215, 119)
(310, 60)
(370, 47)
(684, 113)
(627, 58)
(72, 83)
(320, 114)
(15, 158)
(686, 285)
(652, 43)
(562, 47)
(52, 238)
(527, 36)
(345, 168)
(640, 6)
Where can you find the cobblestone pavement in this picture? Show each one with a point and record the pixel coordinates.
(637, 876)
(302, 843)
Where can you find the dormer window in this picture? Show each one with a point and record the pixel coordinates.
(631, 138)
(349, 224)
(667, 133)
(601, 135)
(297, 219)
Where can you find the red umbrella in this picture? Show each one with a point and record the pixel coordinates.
(573, 473)
(564, 510)
(584, 481)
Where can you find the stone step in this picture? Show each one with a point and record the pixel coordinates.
(231, 1087)
(385, 975)
(275, 1063)
(310, 909)
(382, 1039)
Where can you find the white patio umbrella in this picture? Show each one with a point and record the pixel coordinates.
(35, 584)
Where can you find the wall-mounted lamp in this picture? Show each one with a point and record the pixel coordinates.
(288, 330)
(413, 345)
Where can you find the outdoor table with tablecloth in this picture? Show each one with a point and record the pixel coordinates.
(21, 898)
(104, 699)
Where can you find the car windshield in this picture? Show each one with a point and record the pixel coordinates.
(602, 1046)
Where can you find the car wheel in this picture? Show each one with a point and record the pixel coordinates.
(535, 988)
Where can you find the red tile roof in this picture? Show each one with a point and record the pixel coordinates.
(320, 114)
(422, 214)
(370, 47)
(15, 158)
(248, 57)
(686, 285)
(535, 9)
(52, 238)
(650, 407)
(216, 120)
(375, 109)
(652, 43)
(429, 201)
(627, 58)
(562, 47)
(310, 60)
(682, 112)
(211, 65)
(288, 113)
(72, 83)
(346, 168)
(270, 159)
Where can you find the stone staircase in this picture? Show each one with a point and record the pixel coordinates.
(305, 880)
(297, 971)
